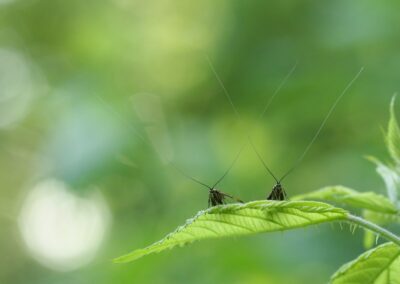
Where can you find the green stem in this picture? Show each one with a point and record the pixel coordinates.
(374, 228)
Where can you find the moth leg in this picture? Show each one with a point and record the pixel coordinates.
(278, 195)
(233, 197)
(273, 195)
(227, 195)
(238, 200)
(285, 195)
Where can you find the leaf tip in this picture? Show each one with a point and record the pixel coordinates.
(127, 257)
(392, 103)
(394, 98)
(119, 260)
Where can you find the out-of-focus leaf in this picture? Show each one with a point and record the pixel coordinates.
(390, 177)
(369, 239)
(379, 219)
(380, 265)
(243, 219)
(393, 134)
(347, 196)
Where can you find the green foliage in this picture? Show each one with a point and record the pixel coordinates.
(369, 240)
(244, 219)
(390, 177)
(381, 218)
(379, 265)
(350, 197)
(377, 208)
(390, 173)
(393, 135)
(378, 218)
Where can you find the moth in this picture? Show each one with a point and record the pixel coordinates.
(215, 196)
(278, 192)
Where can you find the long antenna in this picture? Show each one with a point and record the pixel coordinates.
(170, 162)
(231, 166)
(228, 96)
(101, 100)
(278, 89)
(300, 159)
(218, 181)
(223, 87)
(263, 113)
(261, 159)
(189, 177)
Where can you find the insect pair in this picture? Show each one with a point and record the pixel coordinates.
(217, 197)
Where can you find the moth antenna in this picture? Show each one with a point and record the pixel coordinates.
(277, 90)
(227, 95)
(288, 75)
(300, 159)
(116, 114)
(231, 166)
(188, 176)
(261, 159)
(145, 141)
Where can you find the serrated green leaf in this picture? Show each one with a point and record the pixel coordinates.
(243, 219)
(350, 197)
(390, 177)
(380, 265)
(393, 134)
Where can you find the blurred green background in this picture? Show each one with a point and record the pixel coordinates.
(82, 81)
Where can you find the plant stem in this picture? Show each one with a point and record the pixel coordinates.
(374, 228)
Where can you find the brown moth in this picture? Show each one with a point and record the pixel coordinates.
(215, 196)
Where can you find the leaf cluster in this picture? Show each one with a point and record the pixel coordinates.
(377, 265)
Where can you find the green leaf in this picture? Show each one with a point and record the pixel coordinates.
(393, 135)
(379, 219)
(380, 265)
(350, 197)
(243, 219)
(390, 177)
(369, 239)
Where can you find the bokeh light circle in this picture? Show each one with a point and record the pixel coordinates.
(61, 230)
